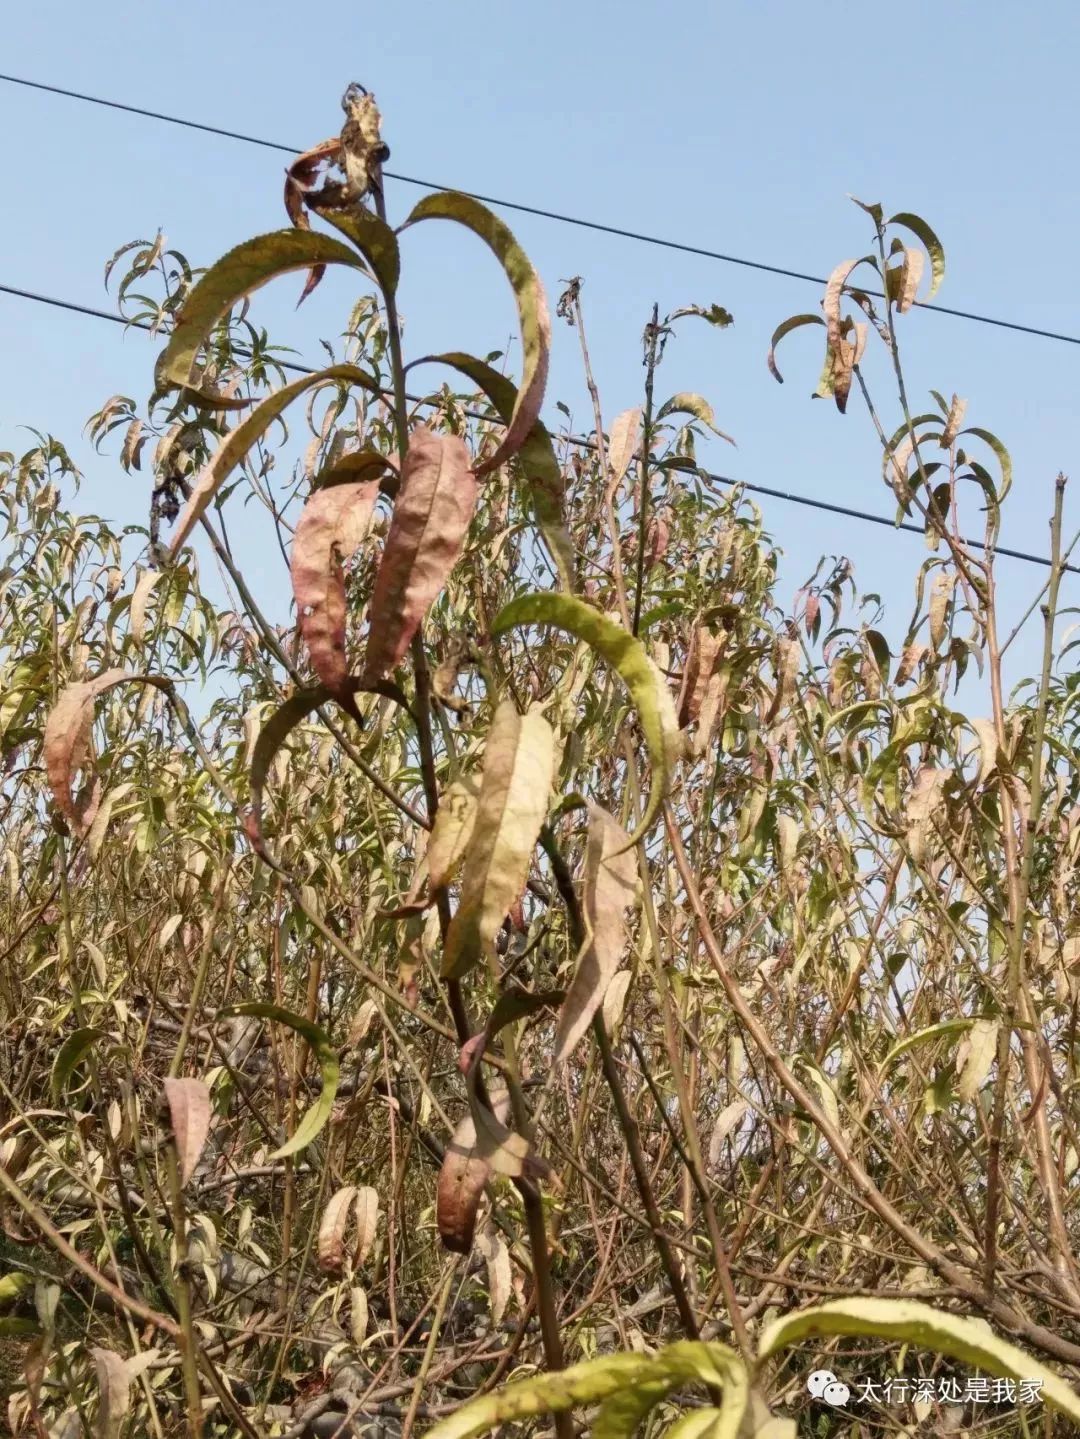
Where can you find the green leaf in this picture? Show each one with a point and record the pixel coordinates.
(627, 656)
(1003, 457)
(238, 273)
(240, 439)
(531, 303)
(933, 1031)
(922, 231)
(687, 403)
(972, 1341)
(13, 1285)
(372, 237)
(622, 1414)
(543, 474)
(68, 1057)
(316, 1117)
(794, 322)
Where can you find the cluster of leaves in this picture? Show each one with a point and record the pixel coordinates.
(538, 945)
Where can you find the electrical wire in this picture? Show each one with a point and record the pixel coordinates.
(791, 498)
(595, 225)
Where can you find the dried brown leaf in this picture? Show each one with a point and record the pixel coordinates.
(462, 1178)
(704, 652)
(331, 1241)
(622, 445)
(610, 882)
(431, 515)
(189, 1113)
(331, 526)
(453, 830)
(367, 1221)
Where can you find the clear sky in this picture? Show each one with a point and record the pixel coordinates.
(740, 127)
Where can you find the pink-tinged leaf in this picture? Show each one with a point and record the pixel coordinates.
(532, 310)
(610, 882)
(189, 1113)
(331, 526)
(67, 742)
(431, 516)
(331, 1242)
(462, 1178)
(622, 445)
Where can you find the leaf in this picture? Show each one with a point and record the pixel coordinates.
(239, 273)
(536, 456)
(240, 439)
(615, 1000)
(622, 445)
(982, 1047)
(13, 1286)
(497, 1257)
(519, 762)
(686, 403)
(69, 1055)
(431, 515)
(358, 1315)
(67, 739)
(271, 737)
(794, 322)
(923, 799)
(933, 1031)
(452, 830)
(531, 303)
(331, 1240)
(114, 1389)
(922, 231)
(628, 657)
(462, 1178)
(910, 274)
(372, 237)
(367, 1221)
(729, 1119)
(610, 881)
(969, 1340)
(189, 1111)
(137, 614)
(315, 1118)
(331, 526)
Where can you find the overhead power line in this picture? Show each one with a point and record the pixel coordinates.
(864, 516)
(595, 225)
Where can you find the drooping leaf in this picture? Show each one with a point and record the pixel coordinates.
(431, 515)
(536, 456)
(73, 1050)
(367, 1221)
(728, 1120)
(922, 231)
(704, 651)
(462, 1178)
(628, 657)
(972, 1341)
(610, 881)
(977, 1059)
(452, 830)
(241, 438)
(67, 739)
(114, 1392)
(794, 322)
(315, 1118)
(358, 1315)
(615, 1000)
(519, 759)
(239, 273)
(270, 739)
(332, 1226)
(372, 237)
(932, 1031)
(532, 309)
(189, 1113)
(331, 526)
(497, 1258)
(622, 445)
(923, 800)
(687, 403)
(137, 614)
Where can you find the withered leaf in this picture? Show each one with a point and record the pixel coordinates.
(189, 1113)
(332, 524)
(519, 761)
(622, 445)
(452, 831)
(431, 515)
(610, 882)
(331, 1240)
(462, 1178)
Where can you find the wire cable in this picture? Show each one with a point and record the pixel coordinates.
(794, 499)
(595, 225)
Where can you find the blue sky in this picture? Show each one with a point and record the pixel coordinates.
(739, 127)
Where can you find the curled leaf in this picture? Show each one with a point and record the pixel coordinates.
(687, 403)
(922, 231)
(239, 273)
(610, 882)
(622, 445)
(794, 322)
(367, 1221)
(316, 1117)
(628, 657)
(532, 310)
(519, 760)
(70, 1054)
(331, 526)
(332, 1226)
(497, 1257)
(462, 1178)
(431, 515)
(189, 1114)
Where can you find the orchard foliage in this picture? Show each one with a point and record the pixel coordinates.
(520, 964)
